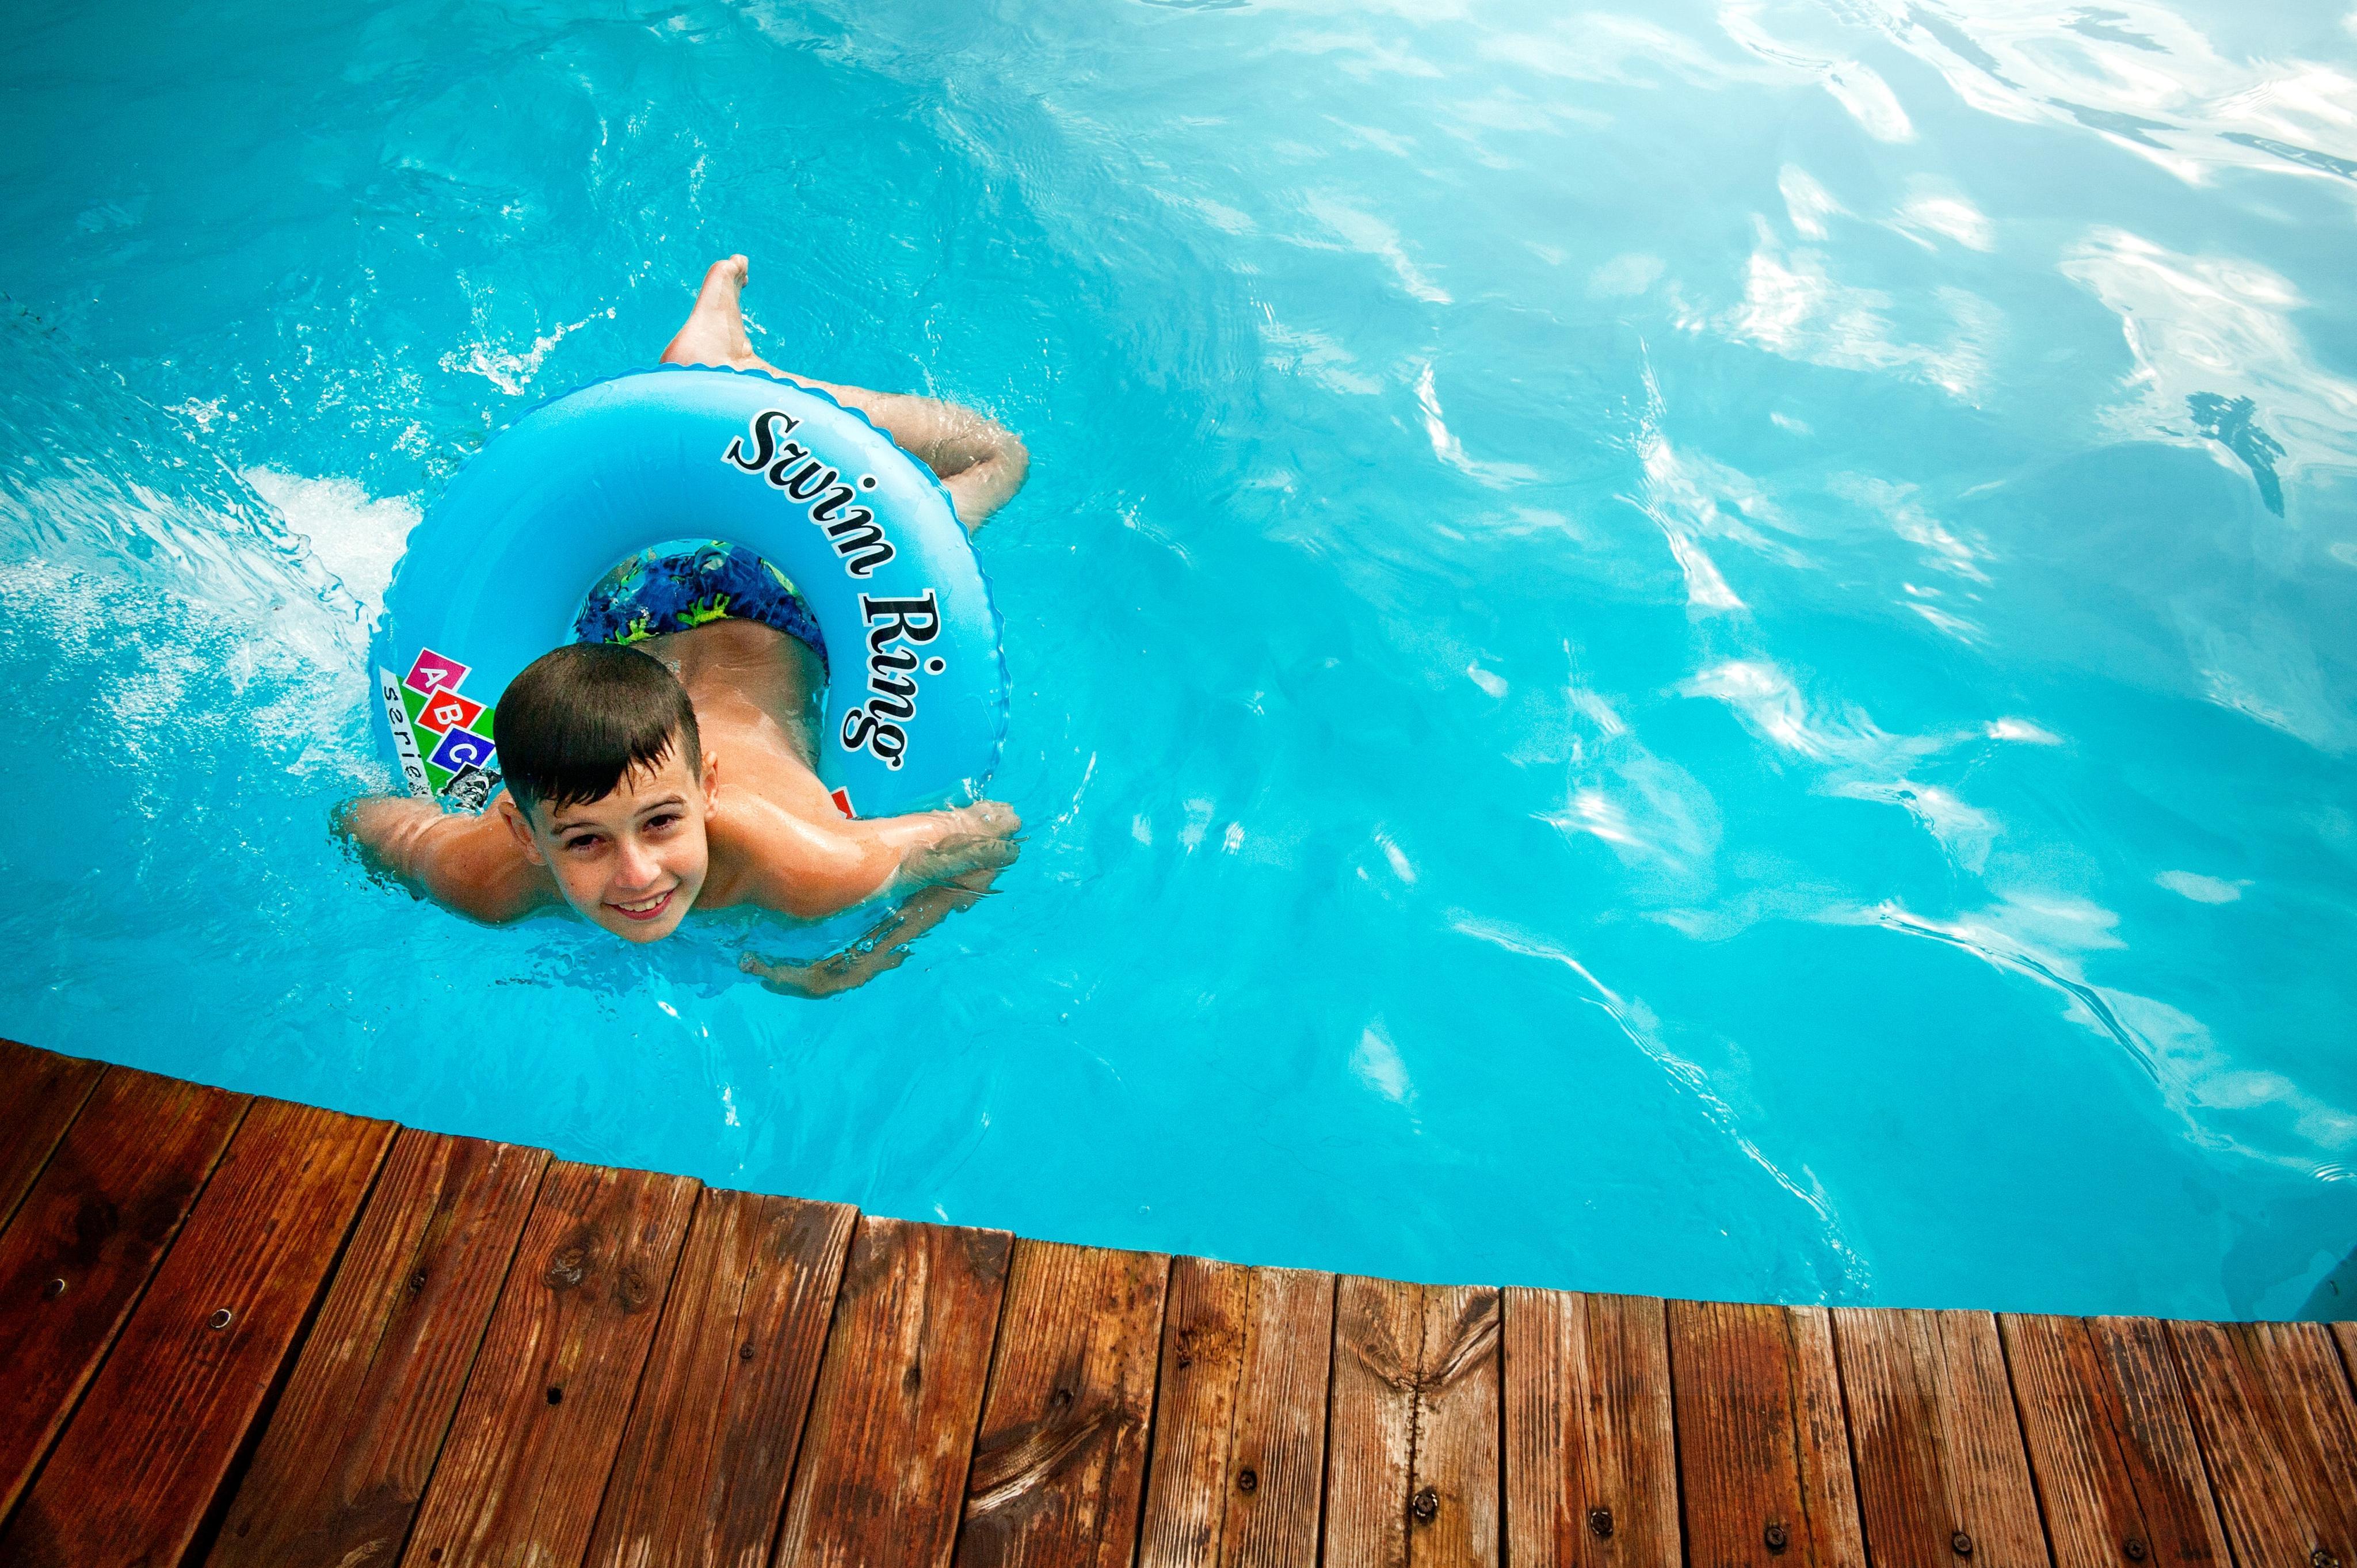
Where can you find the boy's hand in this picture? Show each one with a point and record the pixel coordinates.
(828, 977)
(979, 837)
(885, 947)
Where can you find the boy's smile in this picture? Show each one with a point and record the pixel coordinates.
(634, 860)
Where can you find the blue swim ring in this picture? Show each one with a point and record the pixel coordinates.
(501, 569)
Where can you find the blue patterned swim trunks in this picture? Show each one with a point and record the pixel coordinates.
(680, 586)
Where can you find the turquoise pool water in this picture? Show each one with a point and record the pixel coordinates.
(1693, 650)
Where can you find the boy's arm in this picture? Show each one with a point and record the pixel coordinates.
(886, 945)
(812, 872)
(469, 863)
(981, 461)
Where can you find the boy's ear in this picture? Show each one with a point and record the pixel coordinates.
(513, 816)
(711, 776)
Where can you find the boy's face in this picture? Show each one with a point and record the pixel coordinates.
(632, 861)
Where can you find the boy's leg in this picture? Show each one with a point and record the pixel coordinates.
(713, 333)
(980, 462)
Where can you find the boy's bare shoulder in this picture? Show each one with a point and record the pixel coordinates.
(468, 864)
(766, 854)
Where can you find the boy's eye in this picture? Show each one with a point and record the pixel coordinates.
(657, 825)
(586, 840)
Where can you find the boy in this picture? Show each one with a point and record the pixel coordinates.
(646, 779)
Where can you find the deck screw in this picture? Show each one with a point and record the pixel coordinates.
(1599, 1520)
(1960, 1544)
(2133, 1546)
(1247, 1481)
(417, 1282)
(1776, 1536)
(2322, 1558)
(556, 1396)
(744, 1351)
(54, 1289)
(220, 1319)
(1425, 1506)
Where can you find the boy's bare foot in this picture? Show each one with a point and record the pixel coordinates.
(714, 331)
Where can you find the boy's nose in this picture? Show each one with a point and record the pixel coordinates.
(638, 867)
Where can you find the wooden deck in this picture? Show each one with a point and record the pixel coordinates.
(236, 1331)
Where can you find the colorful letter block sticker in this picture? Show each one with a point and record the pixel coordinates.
(461, 748)
(446, 710)
(433, 673)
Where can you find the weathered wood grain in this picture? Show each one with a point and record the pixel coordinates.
(1060, 1464)
(1412, 1465)
(883, 1469)
(1240, 1418)
(2271, 1406)
(1258, 1400)
(1456, 1492)
(138, 1468)
(86, 1239)
(1941, 1473)
(524, 1465)
(1763, 1456)
(1591, 1459)
(701, 1477)
(2159, 1438)
(2111, 1444)
(337, 1477)
(1370, 1422)
(40, 1093)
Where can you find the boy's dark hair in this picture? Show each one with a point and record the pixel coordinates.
(579, 720)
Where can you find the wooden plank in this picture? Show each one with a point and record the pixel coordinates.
(138, 1468)
(1942, 1472)
(2159, 1442)
(339, 1474)
(1060, 1467)
(1455, 1493)
(85, 1242)
(2271, 1406)
(1411, 1472)
(1763, 1457)
(525, 1463)
(1591, 1460)
(1370, 1420)
(884, 1462)
(702, 1473)
(40, 1093)
(1240, 1418)
(2111, 1444)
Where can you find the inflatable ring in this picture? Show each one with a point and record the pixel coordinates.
(500, 569)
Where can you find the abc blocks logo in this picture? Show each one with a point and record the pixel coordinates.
(454, 731)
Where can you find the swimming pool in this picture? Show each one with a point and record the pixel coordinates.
(1702, 651)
